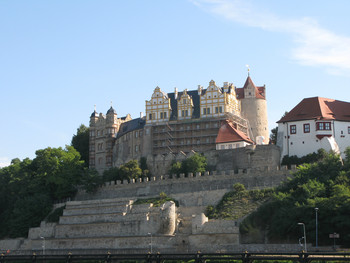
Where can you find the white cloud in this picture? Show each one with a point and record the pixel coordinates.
(314, 45)
(4, 161)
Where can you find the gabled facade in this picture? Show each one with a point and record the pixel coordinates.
(313, 124)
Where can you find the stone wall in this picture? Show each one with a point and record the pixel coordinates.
(254, 157)
(209, 181)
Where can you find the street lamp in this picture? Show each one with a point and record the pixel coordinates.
(43, 245)
(316, 210)
(302, 224)
(151, 241)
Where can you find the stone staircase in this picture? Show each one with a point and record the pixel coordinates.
(107, 224)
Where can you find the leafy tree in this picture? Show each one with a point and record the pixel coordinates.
(92, 180)
(323, 184)
(29, 187)
(175, 168)
(273, 135)
(130, 170)
(61, 170)
(80, 142)
(144, 167)
(195, 163)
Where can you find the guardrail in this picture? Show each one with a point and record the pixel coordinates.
(199, 257)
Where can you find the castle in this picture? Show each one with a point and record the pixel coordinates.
(201, 120)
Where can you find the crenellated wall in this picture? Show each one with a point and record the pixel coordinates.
(188, 184)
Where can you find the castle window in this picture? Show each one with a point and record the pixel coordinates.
(306, 128)
(161, 115)
(293, 129)
(198, 126)
(348, 129)
(216, 110)
(165, 115)
(323, 126)
(184, 101)
(204, 111)
(136, 148)
(208, 110)
(220, 109)
(150, 116)
(141, 133)
(136, 134)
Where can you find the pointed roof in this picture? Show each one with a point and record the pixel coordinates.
(228, 133)
(94, 114)
(111, 111)
(259, 91)
(320, 109)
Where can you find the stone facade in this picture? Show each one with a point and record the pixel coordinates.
(178, 122)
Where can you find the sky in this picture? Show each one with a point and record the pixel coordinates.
(60, 58)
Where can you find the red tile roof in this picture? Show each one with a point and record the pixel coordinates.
(259, 91)
(228, 133)
(320, 109)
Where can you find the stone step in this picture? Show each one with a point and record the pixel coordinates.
(102, 202)
(126, 242)
(124, 228)
(96, 210)
(101, 218)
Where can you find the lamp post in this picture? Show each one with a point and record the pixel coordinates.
(316, 210)
(43, 245)
(302, 224)
(151, 241)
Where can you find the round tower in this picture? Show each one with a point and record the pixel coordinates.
(92, 138)
(254, 109)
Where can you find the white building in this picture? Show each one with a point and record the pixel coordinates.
(313, 124)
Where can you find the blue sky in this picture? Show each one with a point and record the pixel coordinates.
(59, 58)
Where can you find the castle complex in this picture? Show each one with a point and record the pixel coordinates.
(199, 120)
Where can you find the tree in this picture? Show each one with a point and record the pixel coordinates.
(80, 142)
(195, 163)
(60, 169)
(273, 135)
(323, 184)
(130, 170)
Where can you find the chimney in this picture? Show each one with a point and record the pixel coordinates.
(200, 90)
(175, 93)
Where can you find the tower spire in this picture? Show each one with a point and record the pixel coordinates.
(248, 68)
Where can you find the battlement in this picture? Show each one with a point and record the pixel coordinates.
(172, 184)
(249, 171)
